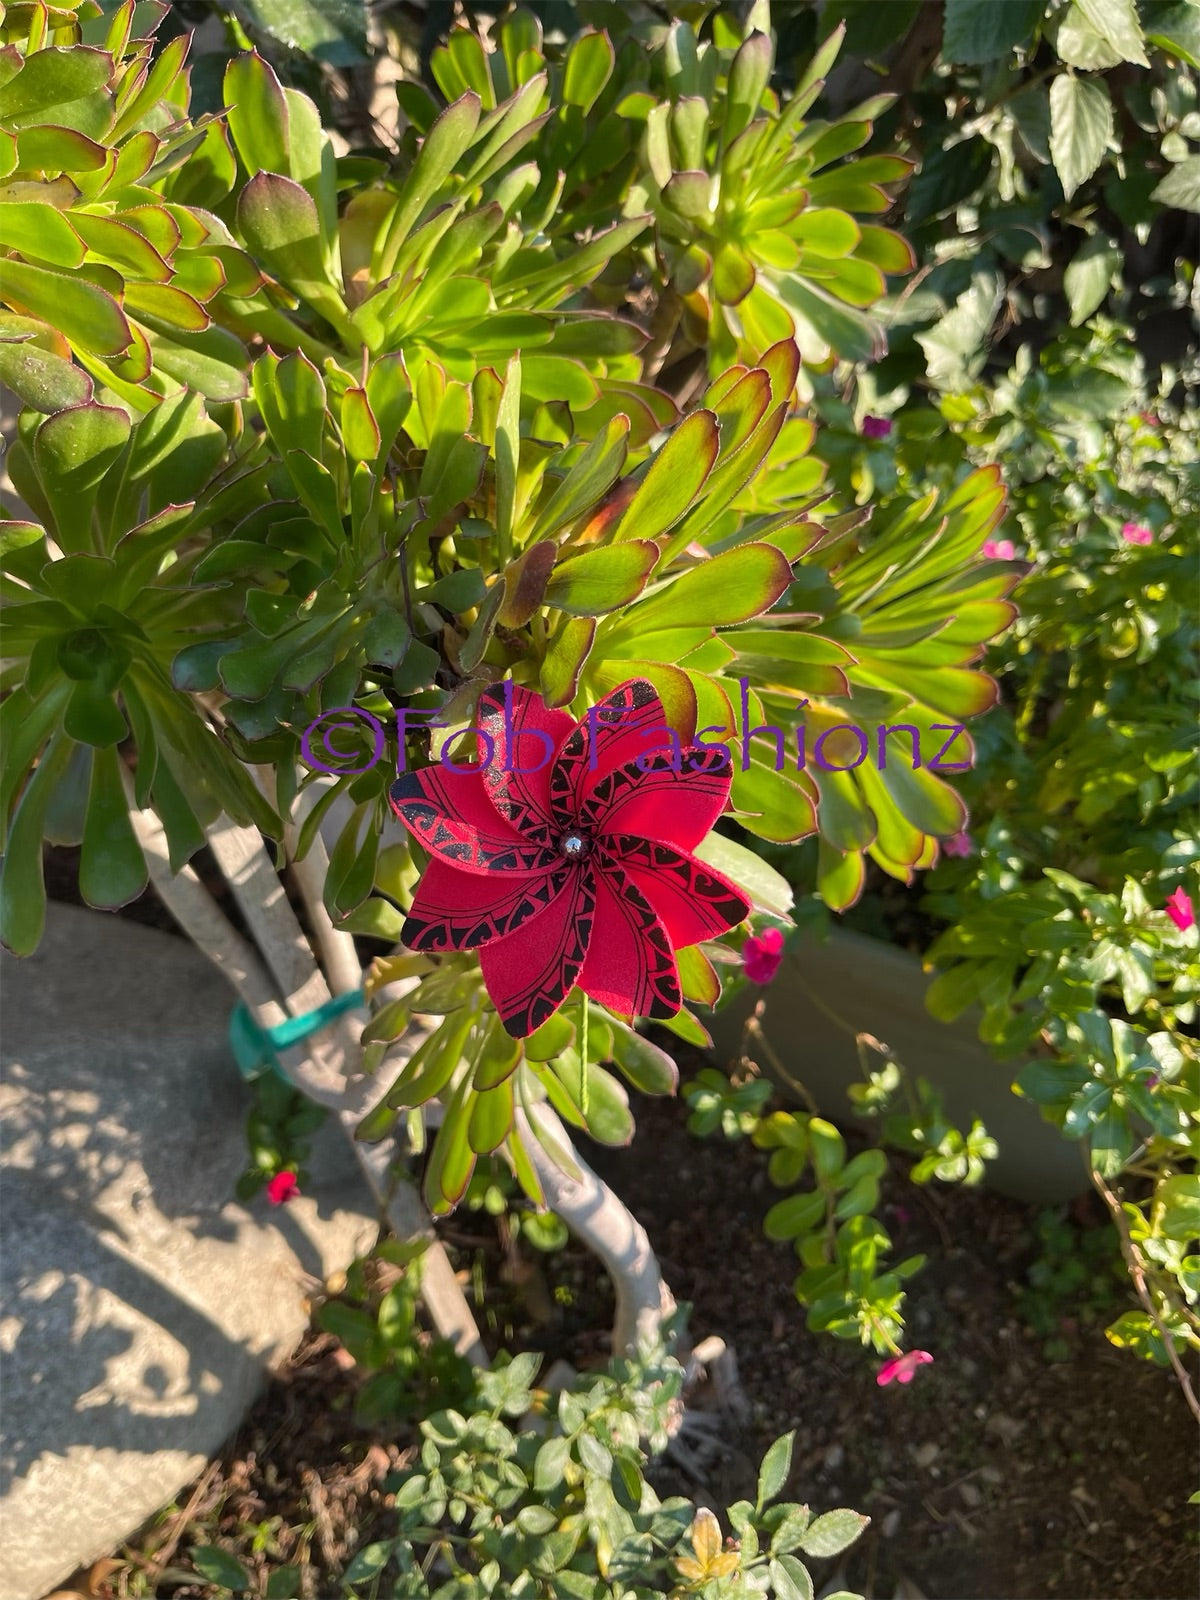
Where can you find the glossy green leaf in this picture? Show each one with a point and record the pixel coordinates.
(499, 1057)
(603, 579)
(112, 868)
(447, 139)
(565, 658)
(773, 806)
(977, 31)
(588, 67)
(592, 475)
(1181, 186)
(22, 888)
(39, 230)
(768, 889)
(333, 32)
(491, 1117)
(53, 78)
(42, 381)
(748, 78)
(87, 315)
(676, 476)
(1081, 124)
(72, 451)
(1117, 21)
(279, 220)
(648, 1068)
(51, 149)
(733, 587)
(257, 114)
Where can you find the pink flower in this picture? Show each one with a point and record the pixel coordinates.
(959, 844)
(1137, 533)
(282, 1188)
(876, 427)
(902, 1368)
(1179, 909)
(762, 954)
(998, 549)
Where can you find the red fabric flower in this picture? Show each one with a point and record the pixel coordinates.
(575, 866)
(761, 955)
(282, 1188)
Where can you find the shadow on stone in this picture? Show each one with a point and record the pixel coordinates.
(140, 1305)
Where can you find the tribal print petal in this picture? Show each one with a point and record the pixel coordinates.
(529, 974)
(630, 964)
(658, 802)
(691, 900)
(450, 814)
(517, 776)
(455, 910)
(613, 732)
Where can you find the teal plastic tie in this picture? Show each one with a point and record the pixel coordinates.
(256, 1049)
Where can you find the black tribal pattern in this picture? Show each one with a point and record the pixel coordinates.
(633, 708)
(703, 894)
(457, 841)
(454, 927)
(548, 986)
(655, 775)
(659, 994)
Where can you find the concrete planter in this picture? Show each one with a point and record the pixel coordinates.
(874, 988)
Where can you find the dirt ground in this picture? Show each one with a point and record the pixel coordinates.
(996, 1475)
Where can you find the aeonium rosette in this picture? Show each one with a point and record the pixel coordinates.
(563, 854)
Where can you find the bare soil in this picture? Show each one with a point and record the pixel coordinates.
(996, 1475)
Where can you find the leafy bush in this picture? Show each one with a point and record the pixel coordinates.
(1083, 793)
(562, 1506)
(530, 1492)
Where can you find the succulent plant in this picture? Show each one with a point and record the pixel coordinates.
(110, 270)
(758, 214)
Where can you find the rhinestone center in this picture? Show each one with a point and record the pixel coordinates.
(575, 845)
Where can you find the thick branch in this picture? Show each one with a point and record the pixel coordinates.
(602, 1221)
(326, 1081)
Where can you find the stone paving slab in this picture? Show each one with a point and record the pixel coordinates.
(140, 1305)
